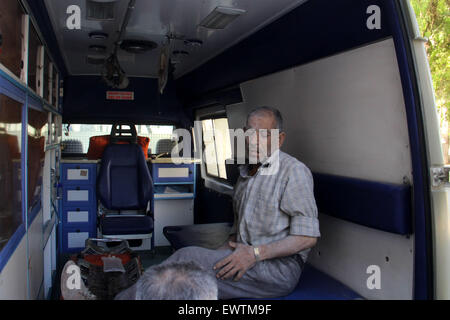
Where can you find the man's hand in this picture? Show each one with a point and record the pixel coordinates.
(226, 244)
(237, 263)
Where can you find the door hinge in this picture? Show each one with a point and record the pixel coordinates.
(440, 176)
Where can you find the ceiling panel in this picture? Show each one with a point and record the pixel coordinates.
(153, 20)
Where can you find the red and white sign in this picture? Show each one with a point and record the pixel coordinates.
(119, 95)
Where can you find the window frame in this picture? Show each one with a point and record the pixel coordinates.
(108, 123)
(207, 176)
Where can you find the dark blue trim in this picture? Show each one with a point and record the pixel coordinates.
(34, 102)
(40, 14)
(314, 30)
(10, 247)
(223, 97)
(10, 87)
(50, 108)
(422, 224)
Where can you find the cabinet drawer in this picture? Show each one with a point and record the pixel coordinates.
(166, 172)
(79, 174)
(73, 239)
(79, 196)
(78, 216)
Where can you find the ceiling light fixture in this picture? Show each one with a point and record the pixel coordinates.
(221, 17)
(97, 35)
(137, 46)
(97, 48)
(95, 59)
(193, 43)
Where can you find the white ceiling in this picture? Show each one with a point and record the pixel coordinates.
(153, 20)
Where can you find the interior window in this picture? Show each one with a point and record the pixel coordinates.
(10, 30)
(217, 146)
(10, 164)
(76, 136)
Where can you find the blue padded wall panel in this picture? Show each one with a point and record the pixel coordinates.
(375, 205)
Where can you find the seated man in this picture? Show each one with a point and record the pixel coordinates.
(275, 222)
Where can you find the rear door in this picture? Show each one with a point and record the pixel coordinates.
(438, 171)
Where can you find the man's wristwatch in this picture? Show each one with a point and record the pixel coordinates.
(256, 252)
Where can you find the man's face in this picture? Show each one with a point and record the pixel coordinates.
(260, 137)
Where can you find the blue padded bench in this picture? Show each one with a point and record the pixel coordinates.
(316, 285)
(313, 284)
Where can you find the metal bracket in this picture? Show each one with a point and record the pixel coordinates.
(440, 176)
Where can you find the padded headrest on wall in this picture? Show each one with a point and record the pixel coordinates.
(382, 206)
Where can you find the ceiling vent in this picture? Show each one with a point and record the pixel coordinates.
(100, 9)
(221, 17)
(137, 46)
(97, 48)
(95, 59)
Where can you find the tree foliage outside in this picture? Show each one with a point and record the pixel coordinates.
(433, 17)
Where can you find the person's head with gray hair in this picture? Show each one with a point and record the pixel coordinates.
(177, 281)
(267, 111)
(264, 132)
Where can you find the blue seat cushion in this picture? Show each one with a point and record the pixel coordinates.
(316, 285)
(126, 225)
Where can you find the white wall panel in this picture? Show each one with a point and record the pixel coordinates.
(346, 250)
(36, 253)
(13, 278)
(344, 114)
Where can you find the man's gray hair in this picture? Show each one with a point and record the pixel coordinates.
(177, 281)
(259, 111)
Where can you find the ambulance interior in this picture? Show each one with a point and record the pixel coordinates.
(339, 73)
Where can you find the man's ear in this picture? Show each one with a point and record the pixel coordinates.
(281, 138)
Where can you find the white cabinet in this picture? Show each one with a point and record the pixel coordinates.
(171, 212)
